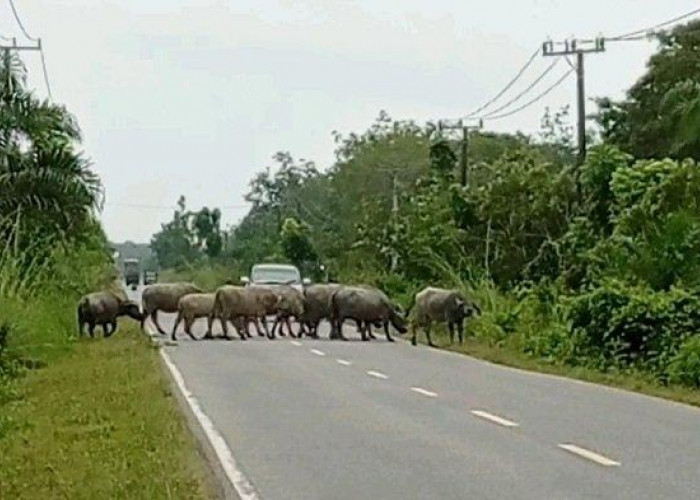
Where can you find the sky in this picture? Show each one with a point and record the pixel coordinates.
(193, 97)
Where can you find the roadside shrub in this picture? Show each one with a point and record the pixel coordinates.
(684, 367)
(632, 324)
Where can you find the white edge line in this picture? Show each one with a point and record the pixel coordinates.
(240, 483)
(375, 374)
(424, 392)
(494, 418)
(343, 362)
(590, 455)
(296, 343)
(317, 352)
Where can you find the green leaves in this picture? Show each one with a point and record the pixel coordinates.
(660, 116)
(44, 182)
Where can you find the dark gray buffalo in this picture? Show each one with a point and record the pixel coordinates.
(366, 306)
(103, 308)
(438, 304)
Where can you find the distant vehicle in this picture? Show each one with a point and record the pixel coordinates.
(150, 277)
(131, 272)
(276, 274)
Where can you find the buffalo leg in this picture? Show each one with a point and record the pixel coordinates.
(241, 327)
(386, 332)
(113, 328)
(289, 327)
(363, 331)
(460, 331)
(210, 326)
(91, 329)
(188, 327)
(427, 334)
(256, 322)
(451, 327)
(224, 326)
(154, 317)
(178, 320)
(370, 332)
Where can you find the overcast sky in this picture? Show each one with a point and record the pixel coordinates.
(194, 96)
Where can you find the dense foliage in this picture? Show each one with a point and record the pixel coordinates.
(52, 248)
(188, 237)
(661, 113)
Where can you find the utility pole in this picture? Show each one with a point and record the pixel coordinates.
(13, 46)
(394, 214)
(579, 48)
(464, 156)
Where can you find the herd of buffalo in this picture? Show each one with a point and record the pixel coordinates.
(243, 305)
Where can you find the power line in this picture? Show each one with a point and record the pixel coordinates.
(533, 101)
(19, 22)
(46, 73)
(508, 86)
(523, 93)
(635, 35)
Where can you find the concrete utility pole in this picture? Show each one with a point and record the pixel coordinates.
(13, 46)
(464, 158)
(579, 48)
(394, 214)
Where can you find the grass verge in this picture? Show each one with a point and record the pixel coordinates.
(503, 355)
(99, 422)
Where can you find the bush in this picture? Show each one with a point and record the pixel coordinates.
(685, 365)
(632, 324)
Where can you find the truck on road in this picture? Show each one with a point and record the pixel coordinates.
(131, 273)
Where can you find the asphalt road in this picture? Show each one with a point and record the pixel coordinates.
(321, 419)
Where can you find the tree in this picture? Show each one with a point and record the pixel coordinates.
(296, 244)
(45, 183)
(660, 117)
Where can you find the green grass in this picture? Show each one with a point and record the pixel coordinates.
(98, 421)
(504, 355)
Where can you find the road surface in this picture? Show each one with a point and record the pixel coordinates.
(321, 419)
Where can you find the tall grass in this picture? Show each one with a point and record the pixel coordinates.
(22, 268)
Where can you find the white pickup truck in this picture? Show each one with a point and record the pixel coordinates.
(276, 274)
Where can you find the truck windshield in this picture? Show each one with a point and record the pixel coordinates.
(275, 275)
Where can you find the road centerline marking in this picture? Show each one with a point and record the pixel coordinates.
(343, 362)
(495, 418)
(424, 392)
(376, 374)
(317, 352)
(296, 343)
(589, 455)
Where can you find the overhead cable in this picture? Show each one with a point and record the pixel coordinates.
(642, 33)
(508, 85)
(19, 22)
(533, 101)
(524, 92)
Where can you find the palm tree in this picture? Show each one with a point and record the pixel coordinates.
(46, 184)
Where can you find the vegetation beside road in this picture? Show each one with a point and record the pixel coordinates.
(78, 418)
(581, 269)
(99, 422)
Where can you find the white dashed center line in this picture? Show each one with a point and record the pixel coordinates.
(589, 455)
(374, 374)
(424, 392)
(343, 362)
(317, 352)
(494, 418)
(296, 343)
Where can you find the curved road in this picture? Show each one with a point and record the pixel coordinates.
(321, 419)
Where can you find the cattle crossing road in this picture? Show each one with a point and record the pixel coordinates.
(320, 419)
